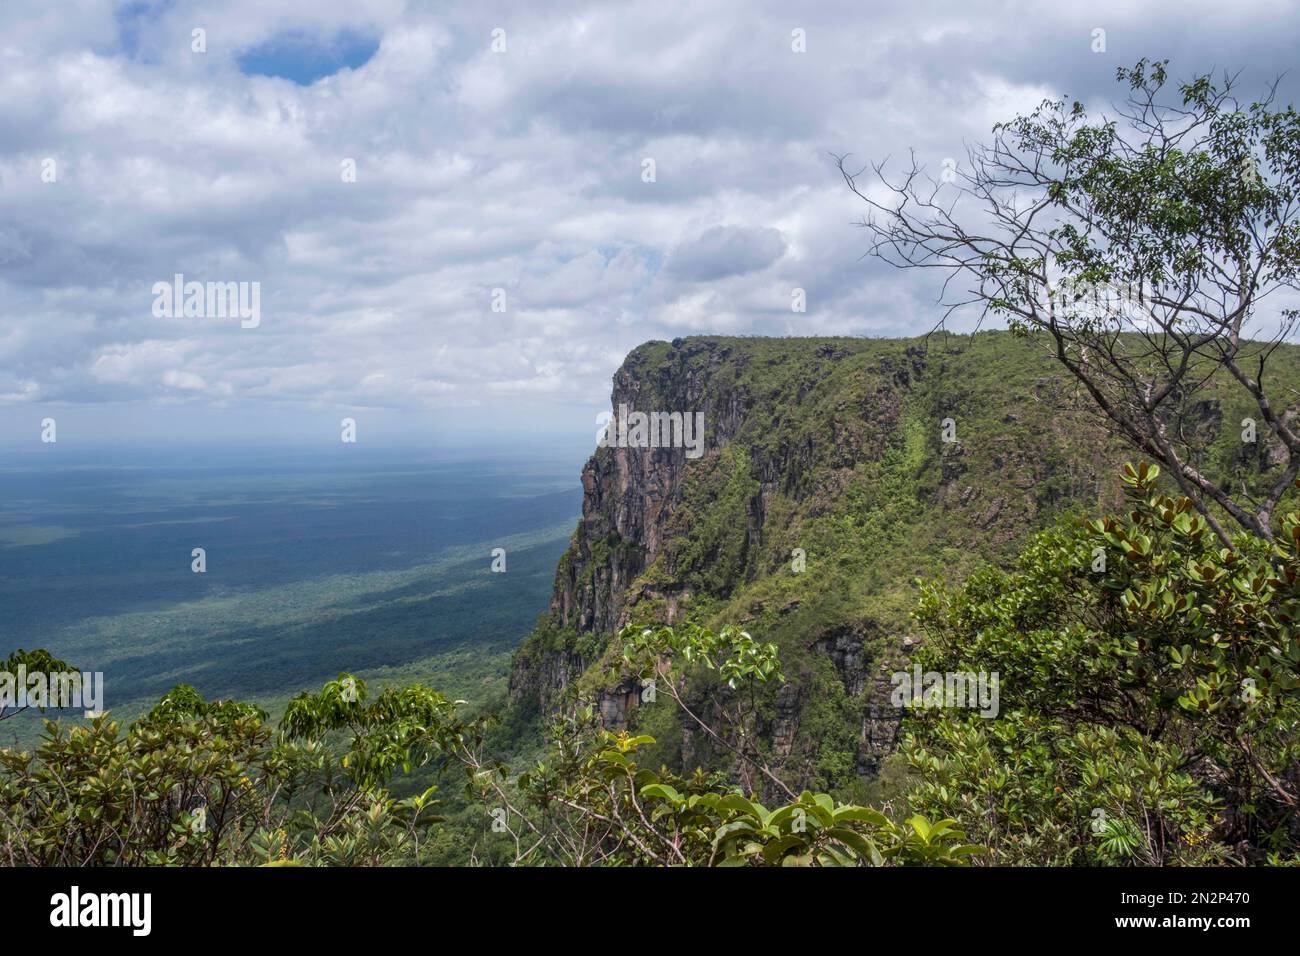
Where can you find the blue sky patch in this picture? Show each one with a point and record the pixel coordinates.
(305, 58)
(132, 18)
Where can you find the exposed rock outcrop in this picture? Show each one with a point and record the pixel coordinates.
(830, 447)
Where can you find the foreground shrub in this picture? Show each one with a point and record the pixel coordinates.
(1149, 704)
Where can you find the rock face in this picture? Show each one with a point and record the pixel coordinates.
(829, 447)
(629, 493)
(541, 676)
(629, 497)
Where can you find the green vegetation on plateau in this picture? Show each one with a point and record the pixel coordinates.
(835, 446)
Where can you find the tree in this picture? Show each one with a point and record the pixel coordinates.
(201, 783)
(740, 662)
(1140, 249)
(1150, 693)
(592, 803)
(31, 662)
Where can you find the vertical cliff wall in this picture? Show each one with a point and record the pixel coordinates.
(834, 447)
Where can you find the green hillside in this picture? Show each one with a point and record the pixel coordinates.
(833, 446)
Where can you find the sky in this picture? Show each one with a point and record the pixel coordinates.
(445, 207)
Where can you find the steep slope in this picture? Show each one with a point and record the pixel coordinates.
(835, 447)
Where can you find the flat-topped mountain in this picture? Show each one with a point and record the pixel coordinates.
(833, 473)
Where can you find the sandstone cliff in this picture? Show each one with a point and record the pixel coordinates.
(836, 449)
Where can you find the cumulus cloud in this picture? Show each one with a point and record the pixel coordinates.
(388, 175)
(722, 251)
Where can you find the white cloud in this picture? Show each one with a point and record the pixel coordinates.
(478, 171)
